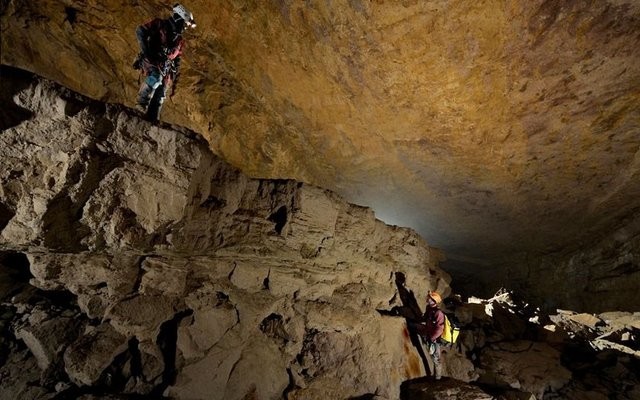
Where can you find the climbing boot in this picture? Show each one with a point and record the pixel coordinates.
(141, 107)
(438, 371)
(144, 97)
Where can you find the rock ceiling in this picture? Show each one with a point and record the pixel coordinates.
(488, 126)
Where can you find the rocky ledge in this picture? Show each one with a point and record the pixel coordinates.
(181, 276)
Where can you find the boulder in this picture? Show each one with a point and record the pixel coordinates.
(48, 337)
(20, 377)
(445, 389)
(141, 315)
(87, 358)
(529, 366)
(457, 366)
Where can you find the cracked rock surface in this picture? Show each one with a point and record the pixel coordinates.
(489, 127)
(135, 264)
(187, 278)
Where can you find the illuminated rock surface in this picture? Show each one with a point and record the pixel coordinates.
(208, 284)
(506, 134)
(489, 127)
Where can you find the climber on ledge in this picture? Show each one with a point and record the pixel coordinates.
(430, 330)
(161, 46)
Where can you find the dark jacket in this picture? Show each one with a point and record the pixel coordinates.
(432, 324)
(160, 42)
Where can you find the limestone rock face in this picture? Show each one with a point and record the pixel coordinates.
(194, 280)
(46, 336)
(92, 353)
(528, 366)
(602, 276)
(488, 127)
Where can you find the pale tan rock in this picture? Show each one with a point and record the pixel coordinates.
(92, 353)
(93, 305)
(260, 369)
(82, 273)
(375, 99)
(151, 360)
(47, 339)
(212, 318)
(289, 281)
(249, 276)
(618, 320)
(165, 235)
(622, 340)
(207, 378)
(588, 320)
(141, 315)
(338, 362)
(155, 272)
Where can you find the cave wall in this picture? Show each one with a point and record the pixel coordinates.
(188, 275)
(602, 276)
(598, 276)
(490, 127)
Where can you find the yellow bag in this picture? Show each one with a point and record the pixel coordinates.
(450, 332)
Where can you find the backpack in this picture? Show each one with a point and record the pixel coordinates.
(451, 330)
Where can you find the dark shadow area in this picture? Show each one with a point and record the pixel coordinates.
(6, 214)
(71, 15)
(279, 218)
(265, 281)
(14, 273)
(15, 270)
(14, 277)
(213, 203)
(466, 281)
(13, 81)
(273, 326)
(73, 105)
(291, 386)
(410, 310)
(167, 341)
(136, 357)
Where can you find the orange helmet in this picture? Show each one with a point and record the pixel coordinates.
(436, 297)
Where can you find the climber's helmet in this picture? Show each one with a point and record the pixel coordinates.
(435, 296)
(181, 13)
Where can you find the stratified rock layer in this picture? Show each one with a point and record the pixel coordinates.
(208, 284)
(488, 126)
